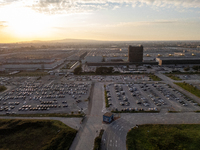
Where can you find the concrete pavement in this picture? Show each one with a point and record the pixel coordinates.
(92, 122)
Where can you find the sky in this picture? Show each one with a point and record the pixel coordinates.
(106, 20)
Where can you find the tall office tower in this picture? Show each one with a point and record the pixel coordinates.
(135, 53)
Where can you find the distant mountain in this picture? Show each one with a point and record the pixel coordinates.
(64, 41)
(75, 41)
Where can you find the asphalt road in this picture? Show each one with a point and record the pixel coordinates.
(92, 122)
(114, 137)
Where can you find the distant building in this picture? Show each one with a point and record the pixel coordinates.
(108, 117)
(177, 60)
(135, 53)
(123, 49)
(92, 59)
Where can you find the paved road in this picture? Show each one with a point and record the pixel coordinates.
(114, 137)
(92, 122)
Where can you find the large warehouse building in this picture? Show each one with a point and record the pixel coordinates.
(135, 53)
(177, 60)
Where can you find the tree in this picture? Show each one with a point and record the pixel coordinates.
(104, 70)
(186, 68)
(78, 70)
(103, 60)
(195, 68)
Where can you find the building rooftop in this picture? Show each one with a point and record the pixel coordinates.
(108, 114)
(135, 46)
(178, 58)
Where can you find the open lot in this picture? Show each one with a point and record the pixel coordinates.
(35, 134)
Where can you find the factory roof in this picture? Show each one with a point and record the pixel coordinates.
(178, 58)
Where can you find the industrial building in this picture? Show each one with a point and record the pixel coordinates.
(135, 53)
(34, 65)
(177, 60)
(92, 59)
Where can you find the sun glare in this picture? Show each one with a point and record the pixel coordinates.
(24, 22)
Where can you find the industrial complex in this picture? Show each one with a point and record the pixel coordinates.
(102, 91)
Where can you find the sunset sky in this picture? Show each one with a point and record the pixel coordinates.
(113, 20)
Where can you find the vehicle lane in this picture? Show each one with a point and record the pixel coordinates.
(114, 137)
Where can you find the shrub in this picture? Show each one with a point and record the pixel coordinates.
(2, 88)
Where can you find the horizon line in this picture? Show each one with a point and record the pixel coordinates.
(89, 40)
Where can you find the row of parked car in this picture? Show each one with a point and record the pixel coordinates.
(40, 107)
(169, 95)
(47, 95)
(155, 98)
(121, 95)
(184, 97)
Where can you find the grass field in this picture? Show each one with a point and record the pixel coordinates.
(164, 137)
(174, 77)
(45, 115)
(189, 88)
(35, 135)
(154, 77)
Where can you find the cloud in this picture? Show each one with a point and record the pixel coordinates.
(76, 6)
(146, 23)
(116, 7)
(3, 24)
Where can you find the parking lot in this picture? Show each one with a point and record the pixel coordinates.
(45, 97)
(147, 97)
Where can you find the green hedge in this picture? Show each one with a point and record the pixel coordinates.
(189, 88)
(174, 77)
(2, 88)
(106, 98)
(97, 141)
(154, 77)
